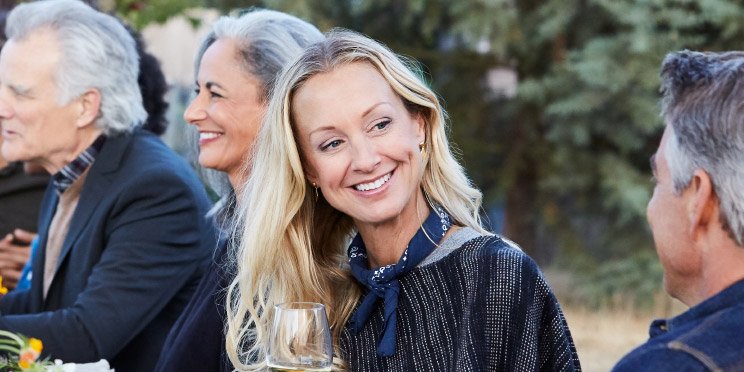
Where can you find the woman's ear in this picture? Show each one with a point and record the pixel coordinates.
(310, 174)
(89, 108)
(421, 130)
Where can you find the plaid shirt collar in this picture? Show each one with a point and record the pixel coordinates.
(72, 171)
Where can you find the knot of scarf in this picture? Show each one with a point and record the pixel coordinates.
(382, 282)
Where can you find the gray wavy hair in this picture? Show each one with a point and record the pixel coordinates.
(97, 52)
(267, 40)
(703, 102)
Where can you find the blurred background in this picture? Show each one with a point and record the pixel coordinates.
(554, 112)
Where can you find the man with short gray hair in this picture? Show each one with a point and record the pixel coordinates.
(123, 240)
(697, 216)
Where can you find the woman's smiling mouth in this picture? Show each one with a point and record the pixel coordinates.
(374, 184)
(205, 137)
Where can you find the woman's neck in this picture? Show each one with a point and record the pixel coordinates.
(235, 180)
(386, 242)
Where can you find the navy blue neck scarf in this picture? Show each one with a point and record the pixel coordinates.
(383, 282)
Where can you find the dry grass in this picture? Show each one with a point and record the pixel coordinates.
(602, 337)
(605, 335)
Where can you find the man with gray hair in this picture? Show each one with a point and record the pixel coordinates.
(123, 240)
(697, 216)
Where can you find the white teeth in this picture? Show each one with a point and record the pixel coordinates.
(208, 135)
(374, 184)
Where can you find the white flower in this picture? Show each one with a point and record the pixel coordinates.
(99, 366)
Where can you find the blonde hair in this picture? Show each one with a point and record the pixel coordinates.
(292, 246)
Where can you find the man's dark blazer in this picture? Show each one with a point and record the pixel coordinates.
(137, 245)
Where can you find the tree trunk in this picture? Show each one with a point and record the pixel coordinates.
(522, 217)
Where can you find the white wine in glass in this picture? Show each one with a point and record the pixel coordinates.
(300, 338)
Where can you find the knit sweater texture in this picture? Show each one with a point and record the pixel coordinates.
(483, 306)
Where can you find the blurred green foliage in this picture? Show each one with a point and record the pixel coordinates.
(140, 13)
(631, 282)
(567, 154)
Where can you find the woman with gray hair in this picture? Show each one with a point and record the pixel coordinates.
(235, 68)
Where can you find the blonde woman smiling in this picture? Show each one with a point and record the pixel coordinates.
(355, 146)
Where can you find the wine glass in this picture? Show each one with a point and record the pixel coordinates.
(300, 338)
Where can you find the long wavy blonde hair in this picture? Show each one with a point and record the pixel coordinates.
(292, 244)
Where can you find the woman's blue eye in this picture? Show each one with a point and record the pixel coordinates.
(382, 125)
(332, 144)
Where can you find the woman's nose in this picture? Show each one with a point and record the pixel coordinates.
(195, 111)
(365, 157)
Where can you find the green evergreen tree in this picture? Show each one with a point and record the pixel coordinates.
(567, 156)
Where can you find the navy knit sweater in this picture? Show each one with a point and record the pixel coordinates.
(484, 306)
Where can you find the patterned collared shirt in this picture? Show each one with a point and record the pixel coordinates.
(72, 171)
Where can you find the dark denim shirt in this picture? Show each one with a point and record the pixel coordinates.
(707, 337)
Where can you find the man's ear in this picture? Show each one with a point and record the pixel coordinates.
(702, 206)
(89, 108)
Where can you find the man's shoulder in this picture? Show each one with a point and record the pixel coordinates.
(140, 152)
(717, 337)
(140, 163)
(149, 150)
(711, 343)
(658, 356)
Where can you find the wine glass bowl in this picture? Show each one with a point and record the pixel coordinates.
(300, 339)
